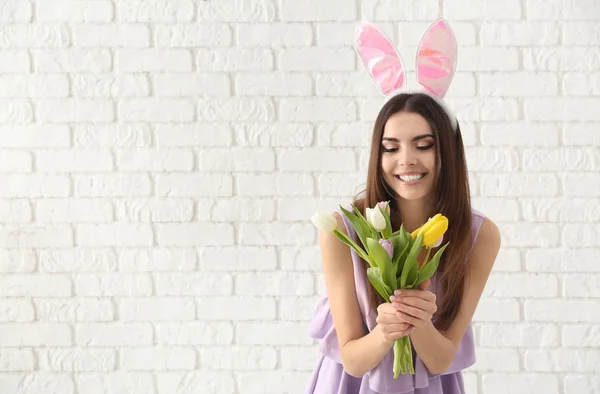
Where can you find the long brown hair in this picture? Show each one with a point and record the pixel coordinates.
(452, 196)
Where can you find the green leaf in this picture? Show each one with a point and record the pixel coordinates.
(407, 244)
(375, 234)
(366, 226)
(404, 252)
(397, 244)
(409, 271)
(428, 269)
(413, 276)
(404, 242)
(374, 275)
(357, 225)
(383, 261)
(401, 245)
(404, 274)
(387, 232)
(348, 241)
(399, 268)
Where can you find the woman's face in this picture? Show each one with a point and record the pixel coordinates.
(408, 155)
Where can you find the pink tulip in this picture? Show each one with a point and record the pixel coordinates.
(388, 246)
(382, 205)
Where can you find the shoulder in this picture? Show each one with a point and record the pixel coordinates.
(332, 248)
(341, 225)
(487, 244)
(329, 237)
(477, 214)
(488, 236)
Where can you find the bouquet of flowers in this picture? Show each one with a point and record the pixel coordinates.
(392, 258)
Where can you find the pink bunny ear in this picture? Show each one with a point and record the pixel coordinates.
(436, 59)
(380, 58)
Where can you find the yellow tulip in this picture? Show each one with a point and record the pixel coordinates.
(433, 230)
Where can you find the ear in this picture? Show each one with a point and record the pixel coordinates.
(436, 58)
(380, 58)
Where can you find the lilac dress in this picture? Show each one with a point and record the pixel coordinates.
(329, 376)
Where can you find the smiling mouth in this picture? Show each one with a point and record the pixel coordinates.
(411, 178)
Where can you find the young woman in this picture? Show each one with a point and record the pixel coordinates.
(418, 163)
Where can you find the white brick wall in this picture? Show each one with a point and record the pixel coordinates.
(161, 159)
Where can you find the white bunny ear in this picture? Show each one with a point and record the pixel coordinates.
(380, 58)
(436, 58)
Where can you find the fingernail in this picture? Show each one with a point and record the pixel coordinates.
(392, 298)
(397, 292)
(395, 305)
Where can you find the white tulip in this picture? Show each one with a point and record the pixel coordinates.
(376, 218)
(324, 222)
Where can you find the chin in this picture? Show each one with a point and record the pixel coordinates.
(411, 196)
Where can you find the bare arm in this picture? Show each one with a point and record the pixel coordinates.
(438, 349)
(360, 351)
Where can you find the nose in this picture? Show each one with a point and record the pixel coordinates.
(406, 157)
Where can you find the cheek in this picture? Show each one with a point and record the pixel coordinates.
(387, 163)
(429, 160)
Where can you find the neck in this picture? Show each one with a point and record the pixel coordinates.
(414, 213)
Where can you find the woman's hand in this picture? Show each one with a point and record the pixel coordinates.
(390, 325)
(415, 306)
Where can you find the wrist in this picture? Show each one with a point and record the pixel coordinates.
(381, 337)
(424, 329)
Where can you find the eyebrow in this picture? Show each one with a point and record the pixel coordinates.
(419, 137)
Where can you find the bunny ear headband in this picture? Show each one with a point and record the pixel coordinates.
(436, 62)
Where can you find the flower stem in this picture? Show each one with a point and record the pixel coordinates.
(411, 367)
(402, 357)
(425, 261)
(398, 357)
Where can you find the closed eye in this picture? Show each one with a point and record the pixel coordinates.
(423, 148)
(427, 147)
